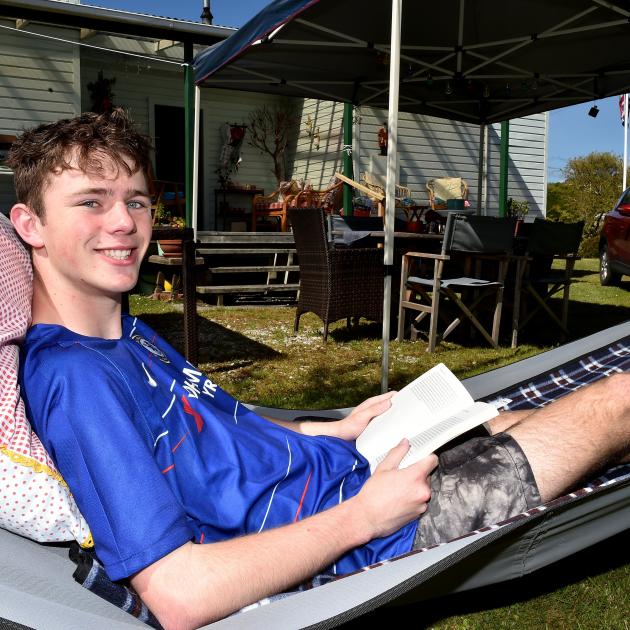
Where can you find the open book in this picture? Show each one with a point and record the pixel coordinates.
(430, 411)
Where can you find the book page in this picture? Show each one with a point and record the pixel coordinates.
(432, 396)
(429, 412)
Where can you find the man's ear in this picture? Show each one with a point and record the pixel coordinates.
(27, 224)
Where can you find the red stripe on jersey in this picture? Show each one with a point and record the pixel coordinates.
(297, 514)
(179, 443)
(191, 412)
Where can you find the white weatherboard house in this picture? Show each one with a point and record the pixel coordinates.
(46, 78)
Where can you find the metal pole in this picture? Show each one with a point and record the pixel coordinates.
(625, 141)
(390, 189)
(189, 103)
(195, 170)
(503, 176)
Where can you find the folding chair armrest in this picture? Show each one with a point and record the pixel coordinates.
(427, 255)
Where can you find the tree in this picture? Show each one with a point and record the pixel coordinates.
(592, 186)
(269, 131)
(559, 207)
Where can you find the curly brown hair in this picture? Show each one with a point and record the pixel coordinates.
(87, 141)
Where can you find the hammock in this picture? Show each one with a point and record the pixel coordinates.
(37, 589)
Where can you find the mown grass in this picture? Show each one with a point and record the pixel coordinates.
(252, 352)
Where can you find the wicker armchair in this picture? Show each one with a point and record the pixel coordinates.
(334, 283)
(377, 183)
(330, 199)
(274, 204)
(441, 189)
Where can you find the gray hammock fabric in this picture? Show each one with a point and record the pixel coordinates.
(37, 590)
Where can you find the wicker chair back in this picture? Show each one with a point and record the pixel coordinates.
(335, 283)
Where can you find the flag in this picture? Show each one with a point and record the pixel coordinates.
(622, 98)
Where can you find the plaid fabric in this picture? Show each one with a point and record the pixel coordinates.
(91, 575)
(571, 377)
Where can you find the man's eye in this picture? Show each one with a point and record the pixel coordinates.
(136, 205)
(89, 203)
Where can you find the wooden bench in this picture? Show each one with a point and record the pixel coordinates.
(238, 253)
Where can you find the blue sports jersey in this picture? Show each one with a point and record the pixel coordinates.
(156, 454)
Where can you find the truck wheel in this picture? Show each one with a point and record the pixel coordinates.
(607, 277)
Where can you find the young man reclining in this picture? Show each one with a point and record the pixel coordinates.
(161, 460)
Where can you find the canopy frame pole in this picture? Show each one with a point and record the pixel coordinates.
(390, 189)
(195, 173)
(189, 82)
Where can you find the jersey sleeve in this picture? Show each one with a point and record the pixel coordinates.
(95, 429)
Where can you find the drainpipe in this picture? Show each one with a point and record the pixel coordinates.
(481, 168)
(503, 176)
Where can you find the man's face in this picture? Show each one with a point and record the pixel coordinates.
(95, 231)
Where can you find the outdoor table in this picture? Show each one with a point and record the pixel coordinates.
(350, 237)
(414, 212)
(175, 263)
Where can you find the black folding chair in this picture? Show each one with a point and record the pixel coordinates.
(470, 240)
(549, 241)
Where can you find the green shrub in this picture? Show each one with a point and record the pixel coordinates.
(589, 247)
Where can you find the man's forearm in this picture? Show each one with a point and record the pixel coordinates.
(348, 428)
(314, 427)
(197, 584)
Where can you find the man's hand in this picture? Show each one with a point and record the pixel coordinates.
(355, 422)
(393, 497)
(350, 427)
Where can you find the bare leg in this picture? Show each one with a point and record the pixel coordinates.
(576, 435)
(507, 419)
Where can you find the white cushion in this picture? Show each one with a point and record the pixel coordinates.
(34, 499)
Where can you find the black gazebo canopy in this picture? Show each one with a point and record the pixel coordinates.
(471, 60)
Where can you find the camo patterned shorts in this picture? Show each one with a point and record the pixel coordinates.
(483, 481)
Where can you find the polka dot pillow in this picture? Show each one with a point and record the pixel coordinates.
(34, 499)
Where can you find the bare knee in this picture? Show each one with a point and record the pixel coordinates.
(618, 383)
(615, 389)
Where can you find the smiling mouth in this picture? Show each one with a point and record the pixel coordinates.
(117, 254)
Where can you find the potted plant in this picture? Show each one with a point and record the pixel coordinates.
(164, 218)
(517, 210)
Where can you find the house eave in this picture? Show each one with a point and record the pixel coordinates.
(113, 21)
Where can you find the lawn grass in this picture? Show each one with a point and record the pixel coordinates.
(251, 351)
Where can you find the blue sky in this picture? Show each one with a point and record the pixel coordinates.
(572, 132)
